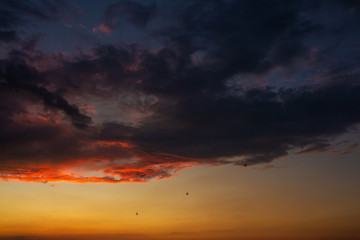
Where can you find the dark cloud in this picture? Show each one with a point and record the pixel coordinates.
(137, 14)
(17, 76)
(17, 16)
(8, 36)
(30, 44)
(44, 10)
(228, 38)
(189, 99)
(261, 124)
(8, 19)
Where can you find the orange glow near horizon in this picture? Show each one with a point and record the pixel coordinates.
(260, 206)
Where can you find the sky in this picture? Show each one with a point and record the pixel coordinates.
(112, 108)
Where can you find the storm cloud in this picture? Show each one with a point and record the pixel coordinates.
(232, 82)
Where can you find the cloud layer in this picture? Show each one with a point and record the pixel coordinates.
(232, 82)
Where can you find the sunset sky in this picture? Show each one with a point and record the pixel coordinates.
(115, 107)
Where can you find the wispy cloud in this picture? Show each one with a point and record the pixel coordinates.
(15, 195)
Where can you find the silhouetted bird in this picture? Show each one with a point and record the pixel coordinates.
(187, 193)
(137, 213)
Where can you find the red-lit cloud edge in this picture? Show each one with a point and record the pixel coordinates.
(101, 161)
(115, 174)
(94, 161)
(83, 171)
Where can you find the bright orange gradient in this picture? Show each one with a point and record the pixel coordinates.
(295, 199)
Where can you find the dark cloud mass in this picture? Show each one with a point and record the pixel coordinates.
(43, 10)
(233, 82)
(8, 36)
(131, 11)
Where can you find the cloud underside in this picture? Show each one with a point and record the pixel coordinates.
(124, 113)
